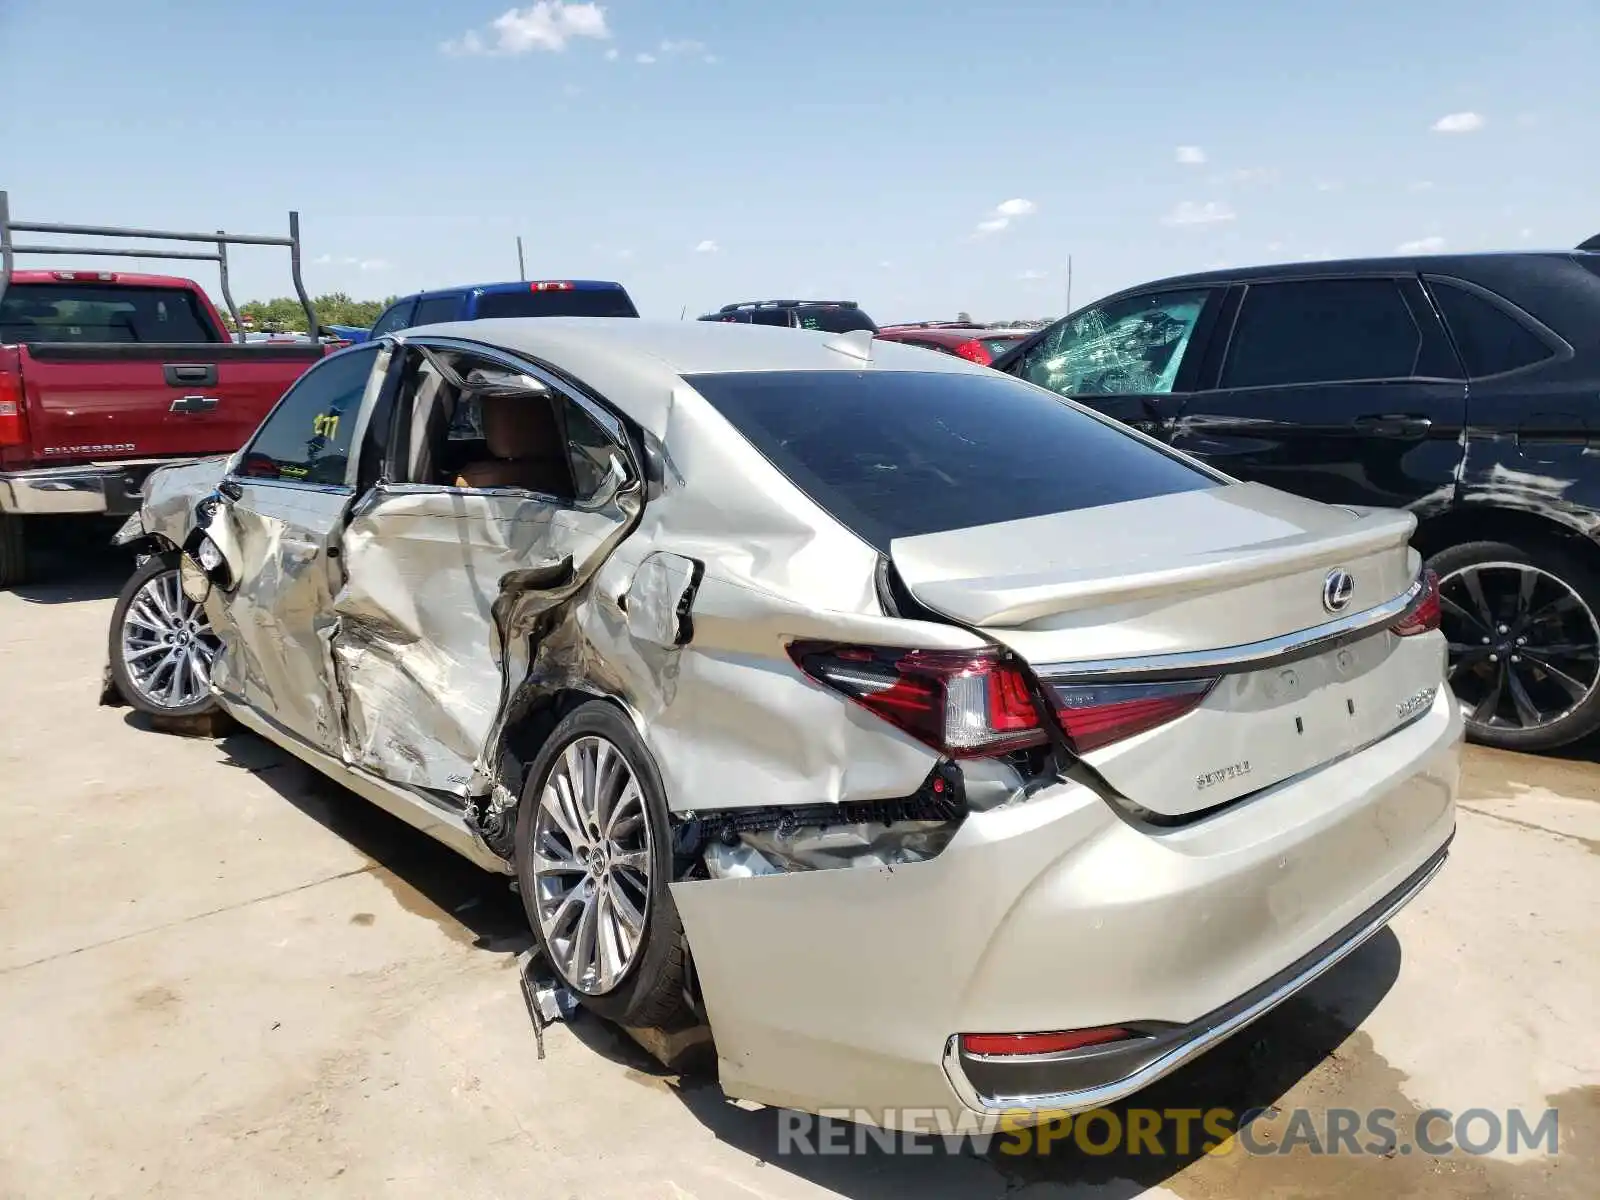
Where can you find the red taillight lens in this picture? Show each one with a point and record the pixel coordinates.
(1098, 714)
(1423, 615)
(1041, 1043)
(974, 351)
(550, 285)
(13, 420)
(966, 705)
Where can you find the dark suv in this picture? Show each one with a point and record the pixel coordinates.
(830, 316)
(1463, 387)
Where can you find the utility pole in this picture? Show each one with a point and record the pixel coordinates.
(522, 271)
(1069, 283)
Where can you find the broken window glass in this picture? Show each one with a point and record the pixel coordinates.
(1132, 346)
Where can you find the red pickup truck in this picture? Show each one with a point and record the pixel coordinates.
(105, 376)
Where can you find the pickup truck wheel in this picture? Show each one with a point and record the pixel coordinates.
(13, 552)
(594, 860)
(1524, 631)
(162, 644)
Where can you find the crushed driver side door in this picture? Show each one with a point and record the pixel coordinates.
(437, 574)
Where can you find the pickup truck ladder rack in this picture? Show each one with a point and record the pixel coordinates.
(220, 239)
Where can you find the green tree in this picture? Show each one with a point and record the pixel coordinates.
(283, 314)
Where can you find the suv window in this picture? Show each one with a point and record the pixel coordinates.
(85, 312)
(833, 318)
(397, 316)
(1322, 331)
(898, 453)
(432, 310)
(306, 438)
(1491, 341)
(769, 316)
(1128, 347)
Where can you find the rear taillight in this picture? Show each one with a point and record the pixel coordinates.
(13, 420)
(97, 276)
(974, 351)
(1097, 714)
(990, 1044)
(1423, 615)
(967, 704)
(550, 285)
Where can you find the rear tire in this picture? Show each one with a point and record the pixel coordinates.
(605, 860)
(13, 552)
(1524, 629)
(160, 644)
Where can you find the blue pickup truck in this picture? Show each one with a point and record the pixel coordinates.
(541, 298)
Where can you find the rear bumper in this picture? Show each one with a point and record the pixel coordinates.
(1048, 1085)
(111, 489)
(842, 990)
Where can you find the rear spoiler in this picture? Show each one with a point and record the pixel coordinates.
(1592, 244)
(9, 250)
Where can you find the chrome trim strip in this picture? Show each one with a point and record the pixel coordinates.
(1251, 656)
(1096, 1097)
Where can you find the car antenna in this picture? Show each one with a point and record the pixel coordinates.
(857, 343)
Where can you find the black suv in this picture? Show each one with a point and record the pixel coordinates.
(830, 316)
(1465, 388)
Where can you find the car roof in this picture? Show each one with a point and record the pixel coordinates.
(121, 278)
(638, 364)
(494, 289)
(945, 333)
(1399, 264)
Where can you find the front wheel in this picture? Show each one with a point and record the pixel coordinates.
(161, 643)
(1524, 633)
(594, 860)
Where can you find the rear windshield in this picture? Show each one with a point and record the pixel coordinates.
(998, 346)
(833, 318)
(104, 312)
(894, 454)
(580, 302)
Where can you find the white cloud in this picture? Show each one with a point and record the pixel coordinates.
(1191, 156)
(1004, 213)
(347, 260)
(571, 89)
(707, 247)
(1328, 185)
(1274, 247)
(373, 264)
(612, 54)
(1461, 122)
(646, 59)
(545, 25)
(1189, 213)
(885, 265)
(1425, 245)
(682, 46)
(1030, 276)
(1525, 234)
(1421, 185)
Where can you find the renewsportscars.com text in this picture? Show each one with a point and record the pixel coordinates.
(1378, 1132)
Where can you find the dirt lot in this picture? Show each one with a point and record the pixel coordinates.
(220, 975)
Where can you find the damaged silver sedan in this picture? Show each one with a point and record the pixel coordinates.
(935, 741)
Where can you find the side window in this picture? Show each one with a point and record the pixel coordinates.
(592, 451)
(306, 438)
(1491, 341)
(396, 316)
(1322, 331)
(1129, 347)
(432, 310)
(770, 316)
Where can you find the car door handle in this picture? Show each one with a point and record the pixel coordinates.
(1393, 424)
(190, 374)
(194, 404)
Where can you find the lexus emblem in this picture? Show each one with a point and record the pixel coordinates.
(1337, 589)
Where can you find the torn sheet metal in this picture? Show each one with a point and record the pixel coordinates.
(171, 493)
(431, 576)
(859, 845)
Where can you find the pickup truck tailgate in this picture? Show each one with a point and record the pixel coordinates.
(150, 399)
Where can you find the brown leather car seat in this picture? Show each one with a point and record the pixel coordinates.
(529, 451)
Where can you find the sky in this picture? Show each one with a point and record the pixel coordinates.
(922, 157)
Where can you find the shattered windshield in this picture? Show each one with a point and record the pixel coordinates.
(1128, 347)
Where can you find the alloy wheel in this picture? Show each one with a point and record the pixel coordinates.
(1524, 646)
(591, 864)
(167, 644)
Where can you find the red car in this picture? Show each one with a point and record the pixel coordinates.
(964, 341)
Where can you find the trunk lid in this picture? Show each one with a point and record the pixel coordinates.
(1212, 584)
